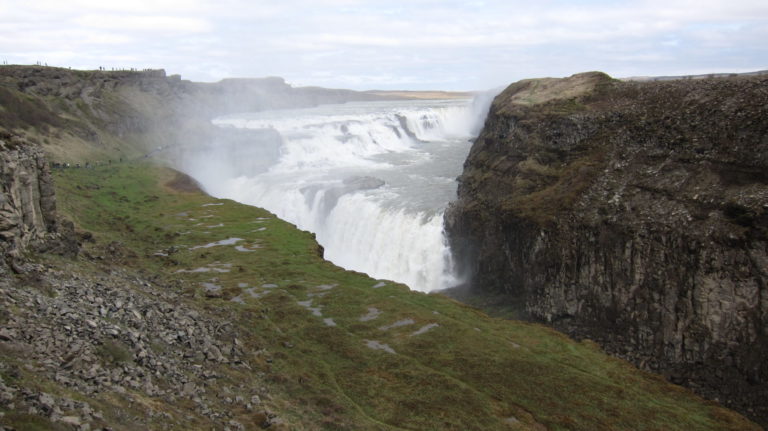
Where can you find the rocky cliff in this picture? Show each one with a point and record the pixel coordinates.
(632, 213)
(27, 198)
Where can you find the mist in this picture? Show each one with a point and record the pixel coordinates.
(371, 177)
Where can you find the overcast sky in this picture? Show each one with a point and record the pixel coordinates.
(415, 44)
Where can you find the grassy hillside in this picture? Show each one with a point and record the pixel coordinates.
(337, 349)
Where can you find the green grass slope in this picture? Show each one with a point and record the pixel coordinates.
(343, 351)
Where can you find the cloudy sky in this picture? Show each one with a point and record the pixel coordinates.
(414, 44)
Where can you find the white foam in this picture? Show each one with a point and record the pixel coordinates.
(389, 224)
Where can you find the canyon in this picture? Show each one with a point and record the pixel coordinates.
(130, 299)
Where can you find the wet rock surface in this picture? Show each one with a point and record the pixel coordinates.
(634, 214)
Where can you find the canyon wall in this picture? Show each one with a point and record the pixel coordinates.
(634, 214)
(27, 200)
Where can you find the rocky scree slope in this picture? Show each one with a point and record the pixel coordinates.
(635, 214)
(87, 339)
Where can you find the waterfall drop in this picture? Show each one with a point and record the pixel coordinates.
(370, 179)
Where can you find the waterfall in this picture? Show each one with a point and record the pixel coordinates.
(370, 179)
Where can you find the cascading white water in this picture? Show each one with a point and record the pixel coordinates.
(371, 179)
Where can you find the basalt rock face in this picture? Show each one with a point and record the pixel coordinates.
(27, 202)
(632, 213)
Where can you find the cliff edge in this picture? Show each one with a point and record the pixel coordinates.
(634, 214)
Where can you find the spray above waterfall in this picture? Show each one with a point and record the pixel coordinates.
(370, 179)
